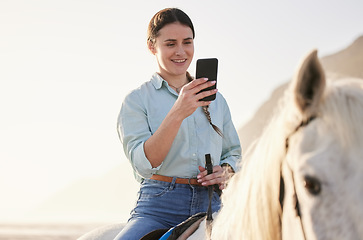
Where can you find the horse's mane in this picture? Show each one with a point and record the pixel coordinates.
(251, 201)
(251, 207)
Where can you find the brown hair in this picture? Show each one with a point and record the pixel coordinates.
(164, 17)
(207, 113)
(172, 15)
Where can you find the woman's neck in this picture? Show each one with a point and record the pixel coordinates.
(177, 82)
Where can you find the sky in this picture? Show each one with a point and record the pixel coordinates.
(65, 67)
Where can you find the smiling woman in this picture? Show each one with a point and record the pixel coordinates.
(163, 126)
(174, 52)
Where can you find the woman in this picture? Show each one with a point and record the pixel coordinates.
(166, 132)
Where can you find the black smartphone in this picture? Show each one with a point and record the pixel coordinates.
(207, 68)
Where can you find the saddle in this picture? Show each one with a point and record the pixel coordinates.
(181, 231)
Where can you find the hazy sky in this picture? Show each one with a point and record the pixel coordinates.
(66, 65)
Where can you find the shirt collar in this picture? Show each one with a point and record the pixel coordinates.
(157, 81)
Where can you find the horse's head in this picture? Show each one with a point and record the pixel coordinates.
(323, 166)
(314, 143)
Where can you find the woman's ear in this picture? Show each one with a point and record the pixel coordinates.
(151, 46)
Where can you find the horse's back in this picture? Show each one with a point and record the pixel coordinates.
(103, 233)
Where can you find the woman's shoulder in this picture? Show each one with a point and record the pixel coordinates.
(140, 89)
(220, 99)
(219, 104)
(144, 89)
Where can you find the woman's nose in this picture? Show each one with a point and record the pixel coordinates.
(179, 51)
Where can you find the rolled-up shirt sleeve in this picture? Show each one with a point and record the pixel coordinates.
(231, 147)
(134, 130)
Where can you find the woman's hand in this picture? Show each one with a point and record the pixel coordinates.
(158, 145)
(189, 96)
(219, 176)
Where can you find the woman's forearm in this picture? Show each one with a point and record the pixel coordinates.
(158, 145)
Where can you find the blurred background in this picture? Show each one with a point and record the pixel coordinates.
(65, 67)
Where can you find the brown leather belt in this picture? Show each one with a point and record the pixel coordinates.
(192, 181)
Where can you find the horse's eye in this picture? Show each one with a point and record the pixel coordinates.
(312, 184)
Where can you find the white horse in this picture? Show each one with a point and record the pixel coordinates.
(302, 179)
(315, 145)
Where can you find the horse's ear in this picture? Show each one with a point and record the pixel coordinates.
(309, 84)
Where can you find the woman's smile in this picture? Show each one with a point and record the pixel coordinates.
(179, 60)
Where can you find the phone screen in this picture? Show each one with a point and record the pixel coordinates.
(207, 68)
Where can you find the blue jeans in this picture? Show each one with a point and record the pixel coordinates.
(165, 205)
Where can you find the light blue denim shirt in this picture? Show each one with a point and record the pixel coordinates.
(142, 112)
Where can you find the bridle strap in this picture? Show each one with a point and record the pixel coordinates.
(302, 124)
(282, 183)
(297, 205)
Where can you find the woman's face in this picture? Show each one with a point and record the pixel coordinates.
(174, 50)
